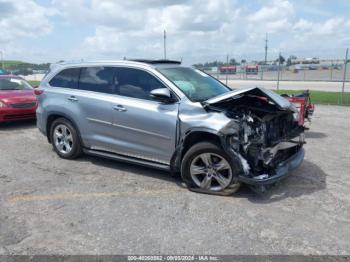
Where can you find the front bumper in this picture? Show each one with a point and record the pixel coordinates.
(14, 114)
(282, 170)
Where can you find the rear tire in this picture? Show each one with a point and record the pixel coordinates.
(65, 139)
(206, 168)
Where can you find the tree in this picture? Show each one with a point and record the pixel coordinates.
(243, 61)
(281, 59)
(233, 62)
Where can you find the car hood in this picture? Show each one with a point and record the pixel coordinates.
(10, 96)
(280, 102)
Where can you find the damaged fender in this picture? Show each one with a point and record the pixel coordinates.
(257, 128)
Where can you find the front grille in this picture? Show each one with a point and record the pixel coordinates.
(279, 128)
(284, 154)
(24, 105)
(18, 117)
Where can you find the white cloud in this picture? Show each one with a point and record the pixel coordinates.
(197, 30)
(22, 18)
(193, 27)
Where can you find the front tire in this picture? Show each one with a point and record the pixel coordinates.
(206, 168)
(65, 139)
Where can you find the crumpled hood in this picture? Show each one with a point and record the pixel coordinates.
(281, 102)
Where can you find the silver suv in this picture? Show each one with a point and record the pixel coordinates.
(160, 114)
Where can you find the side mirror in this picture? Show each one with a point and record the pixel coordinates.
(162, 95)
(35, 87)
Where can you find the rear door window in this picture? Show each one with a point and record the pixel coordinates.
(98, 79)
(67, 78)
(136, 83)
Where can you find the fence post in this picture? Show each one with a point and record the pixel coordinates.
(217, 71)
(226, 70)
(331, 70)
(344, 76)
(278, 71)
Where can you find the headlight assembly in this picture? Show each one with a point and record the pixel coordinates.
(296, 117)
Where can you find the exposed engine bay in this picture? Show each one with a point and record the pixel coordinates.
(268, 134)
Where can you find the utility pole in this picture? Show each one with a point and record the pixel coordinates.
(344, 76)
(266, 40)
(164, 45)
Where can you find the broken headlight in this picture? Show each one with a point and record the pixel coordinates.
(296, 117)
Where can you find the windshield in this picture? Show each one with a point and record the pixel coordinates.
(13, 84)
(195, 84)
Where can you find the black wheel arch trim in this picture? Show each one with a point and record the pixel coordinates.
(175, 163)
(60, 115)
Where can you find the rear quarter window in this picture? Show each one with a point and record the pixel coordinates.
(98, 79)
(67, 78)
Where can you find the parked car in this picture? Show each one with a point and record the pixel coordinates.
(302, 101)
(17, 99)
(167, 116)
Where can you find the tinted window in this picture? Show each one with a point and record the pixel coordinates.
(67, 78)
(136, 83)
(98, 79)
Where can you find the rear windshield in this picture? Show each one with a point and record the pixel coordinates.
(195, 84)
(13, 84)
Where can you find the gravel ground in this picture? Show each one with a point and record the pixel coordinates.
(94, 206)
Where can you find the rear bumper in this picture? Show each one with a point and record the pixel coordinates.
(14, 114)
(283, 170)
(40, 122)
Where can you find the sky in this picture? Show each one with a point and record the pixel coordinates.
(197, 30)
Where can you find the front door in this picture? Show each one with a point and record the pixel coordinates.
(143, 127)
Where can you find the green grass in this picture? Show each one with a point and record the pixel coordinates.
(322, 97)
(10, 63)
(34, 83)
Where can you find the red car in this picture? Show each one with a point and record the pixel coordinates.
(17, 99)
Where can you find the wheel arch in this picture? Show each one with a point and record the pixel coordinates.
(190, 138)
(55, 115)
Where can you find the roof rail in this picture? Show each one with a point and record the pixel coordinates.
(158, 61)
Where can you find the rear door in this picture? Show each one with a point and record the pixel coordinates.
(96, 87)
(143, 127)
(84, 96)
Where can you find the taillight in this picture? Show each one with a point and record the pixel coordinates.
(38, 91)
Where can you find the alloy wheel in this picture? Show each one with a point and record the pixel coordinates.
(211, 171)
(63, 139)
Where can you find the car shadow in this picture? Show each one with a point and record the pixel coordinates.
(313, 134)
(306, 180)
(17, 125)
(133, 168)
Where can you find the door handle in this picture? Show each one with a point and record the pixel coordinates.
(119, 108)
(72, 99)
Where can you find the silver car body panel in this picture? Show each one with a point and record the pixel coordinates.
(280, 101)
(145, 130)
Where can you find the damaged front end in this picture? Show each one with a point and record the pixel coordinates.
(264, 135)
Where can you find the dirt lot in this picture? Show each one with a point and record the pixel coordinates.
(95, 206)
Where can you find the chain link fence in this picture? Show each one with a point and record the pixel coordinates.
(328, 75)
(270, 73)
